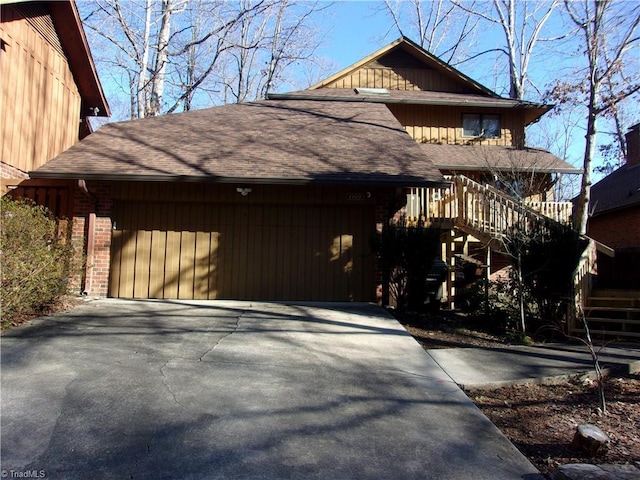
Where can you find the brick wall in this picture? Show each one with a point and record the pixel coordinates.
(619, 229)
(91, 227)
(8, 171)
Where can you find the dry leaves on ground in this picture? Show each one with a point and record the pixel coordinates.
(540, 420)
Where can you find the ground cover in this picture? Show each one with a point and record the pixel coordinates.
(540, 420)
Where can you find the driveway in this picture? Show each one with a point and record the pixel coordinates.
(121, 389)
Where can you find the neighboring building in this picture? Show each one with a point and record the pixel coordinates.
(48, 90)
(615, 219)
(279, 199)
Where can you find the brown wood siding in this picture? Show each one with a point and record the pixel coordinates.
(55, 199)
(305, 249)
(399, 79)
(40, 102)
(443, 124)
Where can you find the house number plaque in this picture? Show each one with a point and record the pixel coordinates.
(358, 196)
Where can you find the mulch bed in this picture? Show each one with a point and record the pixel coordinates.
(540, 420)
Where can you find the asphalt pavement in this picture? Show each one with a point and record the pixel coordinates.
(118, 389)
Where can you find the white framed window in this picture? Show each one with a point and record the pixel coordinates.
(480, 125)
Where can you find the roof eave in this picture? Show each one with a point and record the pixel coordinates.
(468, 168)
(316, 180)
(389, 100)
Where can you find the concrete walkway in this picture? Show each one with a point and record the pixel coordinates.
(548, 363)
(233, 390)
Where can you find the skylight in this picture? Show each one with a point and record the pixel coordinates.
(371, 91)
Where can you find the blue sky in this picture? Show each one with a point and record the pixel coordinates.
(354, 30)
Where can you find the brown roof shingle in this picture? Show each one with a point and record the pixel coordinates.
(263, 142)
(531, 110)
(486, 158)
(619, 189)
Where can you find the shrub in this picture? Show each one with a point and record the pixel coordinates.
(546, 257)
(547, 270)
(34, 260)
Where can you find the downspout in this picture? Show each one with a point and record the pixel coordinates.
(86, 282)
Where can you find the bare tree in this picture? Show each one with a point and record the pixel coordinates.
(522, 23)
(439, 26)
(168, 55)
(610, 38)
(265, 46)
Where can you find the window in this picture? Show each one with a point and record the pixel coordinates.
(475, 125)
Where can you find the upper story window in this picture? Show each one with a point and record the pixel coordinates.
(476, 125)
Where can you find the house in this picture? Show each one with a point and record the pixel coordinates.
(48, 91)
(615, 219)
(470, 134)
(279, 199)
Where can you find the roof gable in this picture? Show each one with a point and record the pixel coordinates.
(414, 67)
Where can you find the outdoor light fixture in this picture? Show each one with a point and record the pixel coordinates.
(243, 191)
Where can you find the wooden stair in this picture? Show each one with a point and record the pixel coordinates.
(612, 314)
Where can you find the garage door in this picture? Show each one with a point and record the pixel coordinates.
(248, 252)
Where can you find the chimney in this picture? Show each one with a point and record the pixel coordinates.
(633, 145)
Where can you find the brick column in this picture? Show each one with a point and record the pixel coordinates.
(384, 202)
(91, 228)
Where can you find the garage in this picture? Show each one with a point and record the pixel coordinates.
(270, 200)
(247, 250)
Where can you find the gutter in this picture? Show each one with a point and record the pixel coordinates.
(319, 180)
(390, 100)
(461, 168)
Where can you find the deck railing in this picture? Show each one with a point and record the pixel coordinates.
(581, 285)
(559, 211)
(481, 207)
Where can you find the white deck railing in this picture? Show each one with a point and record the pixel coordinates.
(480, 206)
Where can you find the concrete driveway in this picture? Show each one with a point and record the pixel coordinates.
(236, 390)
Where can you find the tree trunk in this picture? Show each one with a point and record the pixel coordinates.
(157, 90)
(142, 76)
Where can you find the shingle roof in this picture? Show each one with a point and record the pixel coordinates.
(619, 189)
(474, 157)
(263, 142)
(406, 96)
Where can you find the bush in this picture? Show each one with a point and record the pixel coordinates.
(493, 306)
(546, 256)
(548, 269)
(34, 261)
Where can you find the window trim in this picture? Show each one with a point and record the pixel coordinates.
(481, 118)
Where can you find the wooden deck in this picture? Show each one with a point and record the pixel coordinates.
(481, 210)
(488, 214)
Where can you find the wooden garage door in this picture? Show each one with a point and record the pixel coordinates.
(253, 252)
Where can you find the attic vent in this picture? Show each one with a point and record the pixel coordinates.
(371, 91)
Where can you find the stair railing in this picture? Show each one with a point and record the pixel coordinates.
(581, 285)
(492, 212)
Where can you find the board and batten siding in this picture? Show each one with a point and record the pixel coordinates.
(34, 77)
(443, 124)
(399, 78)
(212, 243)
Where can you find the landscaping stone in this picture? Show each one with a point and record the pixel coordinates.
(591, 439)
(586, 471)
